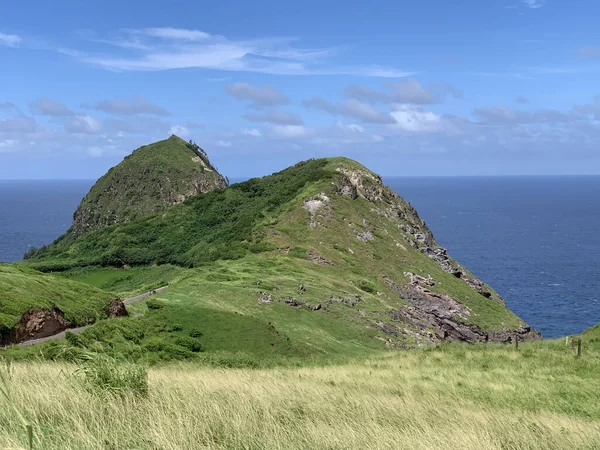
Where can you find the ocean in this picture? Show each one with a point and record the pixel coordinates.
(536, 240)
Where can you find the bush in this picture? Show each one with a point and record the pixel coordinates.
(195, 333)
(102, 374)
(74, 339)
(191, 344)
(367, 286)
(154, 304)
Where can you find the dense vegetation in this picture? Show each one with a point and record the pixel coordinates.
(216, 225)
(146, 182)
(234, 260)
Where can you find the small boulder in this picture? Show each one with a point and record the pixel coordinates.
(116, 308)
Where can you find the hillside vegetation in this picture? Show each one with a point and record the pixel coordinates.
(146, 182)
(320, 258)
(23, 290)
(449, 397)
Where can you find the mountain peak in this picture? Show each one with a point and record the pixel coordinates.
(146, 182)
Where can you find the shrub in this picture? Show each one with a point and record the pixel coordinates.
(102, 374)
(191, 344)
(367, 286)
(154, 304)
(195, 333)
(74, 339)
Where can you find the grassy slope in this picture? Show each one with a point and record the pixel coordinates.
(258, 232)
(125, 282)
(23, 288)
(454, 396)
(216, 225)
(261, 215)
(146, 182)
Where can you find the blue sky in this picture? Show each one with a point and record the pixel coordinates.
(495, 87)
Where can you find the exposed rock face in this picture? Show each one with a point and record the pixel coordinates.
(444, 318)
(39, 323)
(116, 308)
(313, 256)
(147, 182)
(316, 205)
(365, 236)
(370, 186)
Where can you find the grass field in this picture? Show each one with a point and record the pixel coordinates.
(125, 282)
(455, 396)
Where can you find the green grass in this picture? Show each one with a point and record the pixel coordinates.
(216, 225)
(125, 282)
(22, 289)
(146, 182)
(221, 300)
(253, 222)
(453, 396)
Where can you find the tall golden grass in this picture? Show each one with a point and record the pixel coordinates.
(466, 398)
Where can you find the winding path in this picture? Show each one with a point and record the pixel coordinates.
(78, 330)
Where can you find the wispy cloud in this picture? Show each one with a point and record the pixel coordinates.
(534, 4)
(128, 107)
(49, 107)
(259, 96)
(9, 40)
(154, 49)
(350, 108)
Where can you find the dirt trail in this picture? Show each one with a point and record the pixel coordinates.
(78, 330)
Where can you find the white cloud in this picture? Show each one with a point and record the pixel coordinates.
(534, 4)
(352, 127)
(49, 107)
(9, 40)
(83, 124)
(289, 131)
(274, 116)
(9, 145)
(251, 132)
(223, 144)
(173, 48)
(176, 34)
(259, 96)
(18, 125)
(416, 120)
(406, 91)
(181, 131)
(350, 108)
(129, 107)
(377, 138)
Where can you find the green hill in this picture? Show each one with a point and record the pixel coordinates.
(33, 304)
(146, 182)
(319, 258)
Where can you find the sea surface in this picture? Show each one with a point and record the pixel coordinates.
(536, 240)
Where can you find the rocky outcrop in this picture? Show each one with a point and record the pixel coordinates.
(441, 317)
(317, 205)
(116, 308)
(365, 236)
(39, 323)
(314, 257)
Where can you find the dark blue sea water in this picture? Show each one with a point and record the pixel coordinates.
(34, 213)
(534, 239)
